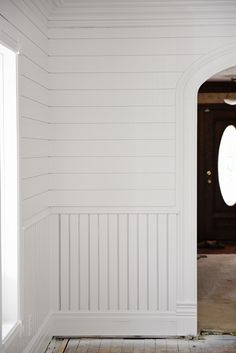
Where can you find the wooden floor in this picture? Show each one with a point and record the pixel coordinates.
(208, 344)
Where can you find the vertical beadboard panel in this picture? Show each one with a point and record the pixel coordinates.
(84, 258)
(142, 261)
(65, 261)
(74, 262)
(118, 262)
(113, 265)
(162, 263)
(103, 263)
(172, 268)
(152, 246)
(133, 263)
(123, 262)
(55, 261)
(94, 262)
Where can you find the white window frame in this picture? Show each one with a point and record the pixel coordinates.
(14, 50)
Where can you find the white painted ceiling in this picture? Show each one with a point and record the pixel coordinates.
(215, 10)
(113, 13)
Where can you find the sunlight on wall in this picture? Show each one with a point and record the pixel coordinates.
(9, 221)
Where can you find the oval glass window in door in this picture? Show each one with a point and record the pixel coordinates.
(227, 165)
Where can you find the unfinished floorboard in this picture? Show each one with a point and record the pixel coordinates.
(195, 346)
(150, 346)
(53, 346)
(171, 346)
(138, 346)
(105, 346)
(72, 346)
(116, 346)
(183, 346)
(161, 346)
(94, 345)
(82, 346)
(63, 346)
(208, 344)
(127, 346)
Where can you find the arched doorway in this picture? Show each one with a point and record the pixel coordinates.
(216, 197)
(186, 146)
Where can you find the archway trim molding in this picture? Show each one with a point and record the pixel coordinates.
(186, 162)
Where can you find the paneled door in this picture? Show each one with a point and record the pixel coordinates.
(216, 172)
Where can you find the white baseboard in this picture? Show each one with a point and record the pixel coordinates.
(40, 341)
(9, 342)
(122, 324)
(183, 322)
(187, 319)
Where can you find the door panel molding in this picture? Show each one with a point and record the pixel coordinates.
(216, 220)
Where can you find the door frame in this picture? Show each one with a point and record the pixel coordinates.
(186, 162)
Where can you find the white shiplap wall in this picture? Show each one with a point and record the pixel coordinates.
(112, 108)
(23, 25)
(26, 28)
(113, 72)
(99, 145)
(113, 133)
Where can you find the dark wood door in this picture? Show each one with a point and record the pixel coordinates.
(216, 220)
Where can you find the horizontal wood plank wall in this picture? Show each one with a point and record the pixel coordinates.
(23, 24)
(117, 262)
(113, 73)
(112, 107)
(112, 119)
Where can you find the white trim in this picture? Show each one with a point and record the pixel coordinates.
(157, 324)
(36, 219)
(40, 341)
(15, 330)
(10, 63)
(1, 117)
(66, 22)
(8, 41)
(20, 276)
(186, 119)
(12, 337)
(112, 210)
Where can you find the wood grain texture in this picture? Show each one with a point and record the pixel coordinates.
(63, 346)
(209, 344)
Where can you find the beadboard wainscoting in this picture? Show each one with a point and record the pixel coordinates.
(116, 273)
